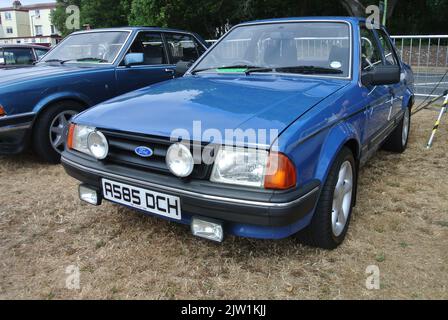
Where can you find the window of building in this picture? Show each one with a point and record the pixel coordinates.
(38, 30)
(8, 16)
(9, 30)
(53, 29)
(37, 13)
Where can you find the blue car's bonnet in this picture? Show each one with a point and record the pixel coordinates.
(39, 72)
(219, 102)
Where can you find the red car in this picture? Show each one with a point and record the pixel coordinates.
(20, 55)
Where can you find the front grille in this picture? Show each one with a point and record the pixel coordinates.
(122, 151)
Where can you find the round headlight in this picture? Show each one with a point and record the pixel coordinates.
(179, 160)
(98, 146)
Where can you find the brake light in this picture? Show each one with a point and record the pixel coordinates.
(280, 172)
(71, 131)
(2, 111)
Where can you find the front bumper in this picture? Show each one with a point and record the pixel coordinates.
(244, 212)
(14, 133)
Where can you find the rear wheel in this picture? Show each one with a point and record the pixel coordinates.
(330, 222)
(398, 140)
(51, 128)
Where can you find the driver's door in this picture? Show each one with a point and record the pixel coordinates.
(155, 67)
(378, 98)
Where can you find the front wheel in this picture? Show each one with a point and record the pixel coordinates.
(398, 140)
(330, 222)
(51, 128)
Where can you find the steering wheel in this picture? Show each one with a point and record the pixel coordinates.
(370, 64)
(243, 63)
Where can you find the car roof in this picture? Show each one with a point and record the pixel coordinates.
(24, 46)
(341, 19)
(144, 28)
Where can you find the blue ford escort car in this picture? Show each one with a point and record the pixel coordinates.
(89, 67)
(263, 137)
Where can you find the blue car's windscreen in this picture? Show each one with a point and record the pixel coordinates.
(322, 48)
(91, 47)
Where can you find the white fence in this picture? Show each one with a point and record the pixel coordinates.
(428, 56)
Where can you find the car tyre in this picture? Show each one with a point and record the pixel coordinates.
(398, 139)
(331, 219)
(51, 128)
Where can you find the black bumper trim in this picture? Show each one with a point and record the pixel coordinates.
(185, 192)
(14, 133)
(262, 213)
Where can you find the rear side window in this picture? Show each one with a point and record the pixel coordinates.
(370, 51)
(12, 56)
(182, 47)
(151, 45)
(389, 52)
(40, 53)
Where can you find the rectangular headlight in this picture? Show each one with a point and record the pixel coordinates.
(77, 138)
(240, 166)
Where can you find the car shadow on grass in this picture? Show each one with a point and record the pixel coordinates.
(25, 159)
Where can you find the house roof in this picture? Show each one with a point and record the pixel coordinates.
(46, 5)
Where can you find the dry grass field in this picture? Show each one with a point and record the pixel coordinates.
(400, 225)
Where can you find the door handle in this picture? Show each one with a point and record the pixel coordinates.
(169, 71)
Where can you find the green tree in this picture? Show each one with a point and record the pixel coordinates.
(100, 13)
(59, 15)
(210, 18)
(96, 13)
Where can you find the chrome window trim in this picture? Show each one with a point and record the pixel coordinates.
(101, 31)
(189, 193)
(349, 77)
(17, 116)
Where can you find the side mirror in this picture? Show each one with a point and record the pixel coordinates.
(182, 67)
(133, 59)
(381, 75)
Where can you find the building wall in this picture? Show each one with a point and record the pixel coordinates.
(19, 23)
(42, 19)
(2, 32)
(23, 24)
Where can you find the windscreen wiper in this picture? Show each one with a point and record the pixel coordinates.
(227, 67)
(53, 60)
(298, 69)
(84, 59)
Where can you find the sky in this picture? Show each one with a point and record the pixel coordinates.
(8, 3)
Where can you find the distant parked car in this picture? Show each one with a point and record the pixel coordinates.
(13, 56)
(319, 95)
(88, 67)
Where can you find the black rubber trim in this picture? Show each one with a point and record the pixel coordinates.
(14, 133)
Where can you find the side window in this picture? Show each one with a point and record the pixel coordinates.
(389, 52)
(40, 53)
(183, 47)
(151, 45)
(370, 52)
(13, 56)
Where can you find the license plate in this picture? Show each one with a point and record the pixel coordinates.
(146, 200)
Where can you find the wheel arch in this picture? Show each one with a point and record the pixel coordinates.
(342, 135)
(48, 102)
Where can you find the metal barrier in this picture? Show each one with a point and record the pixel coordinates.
(427, 55)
